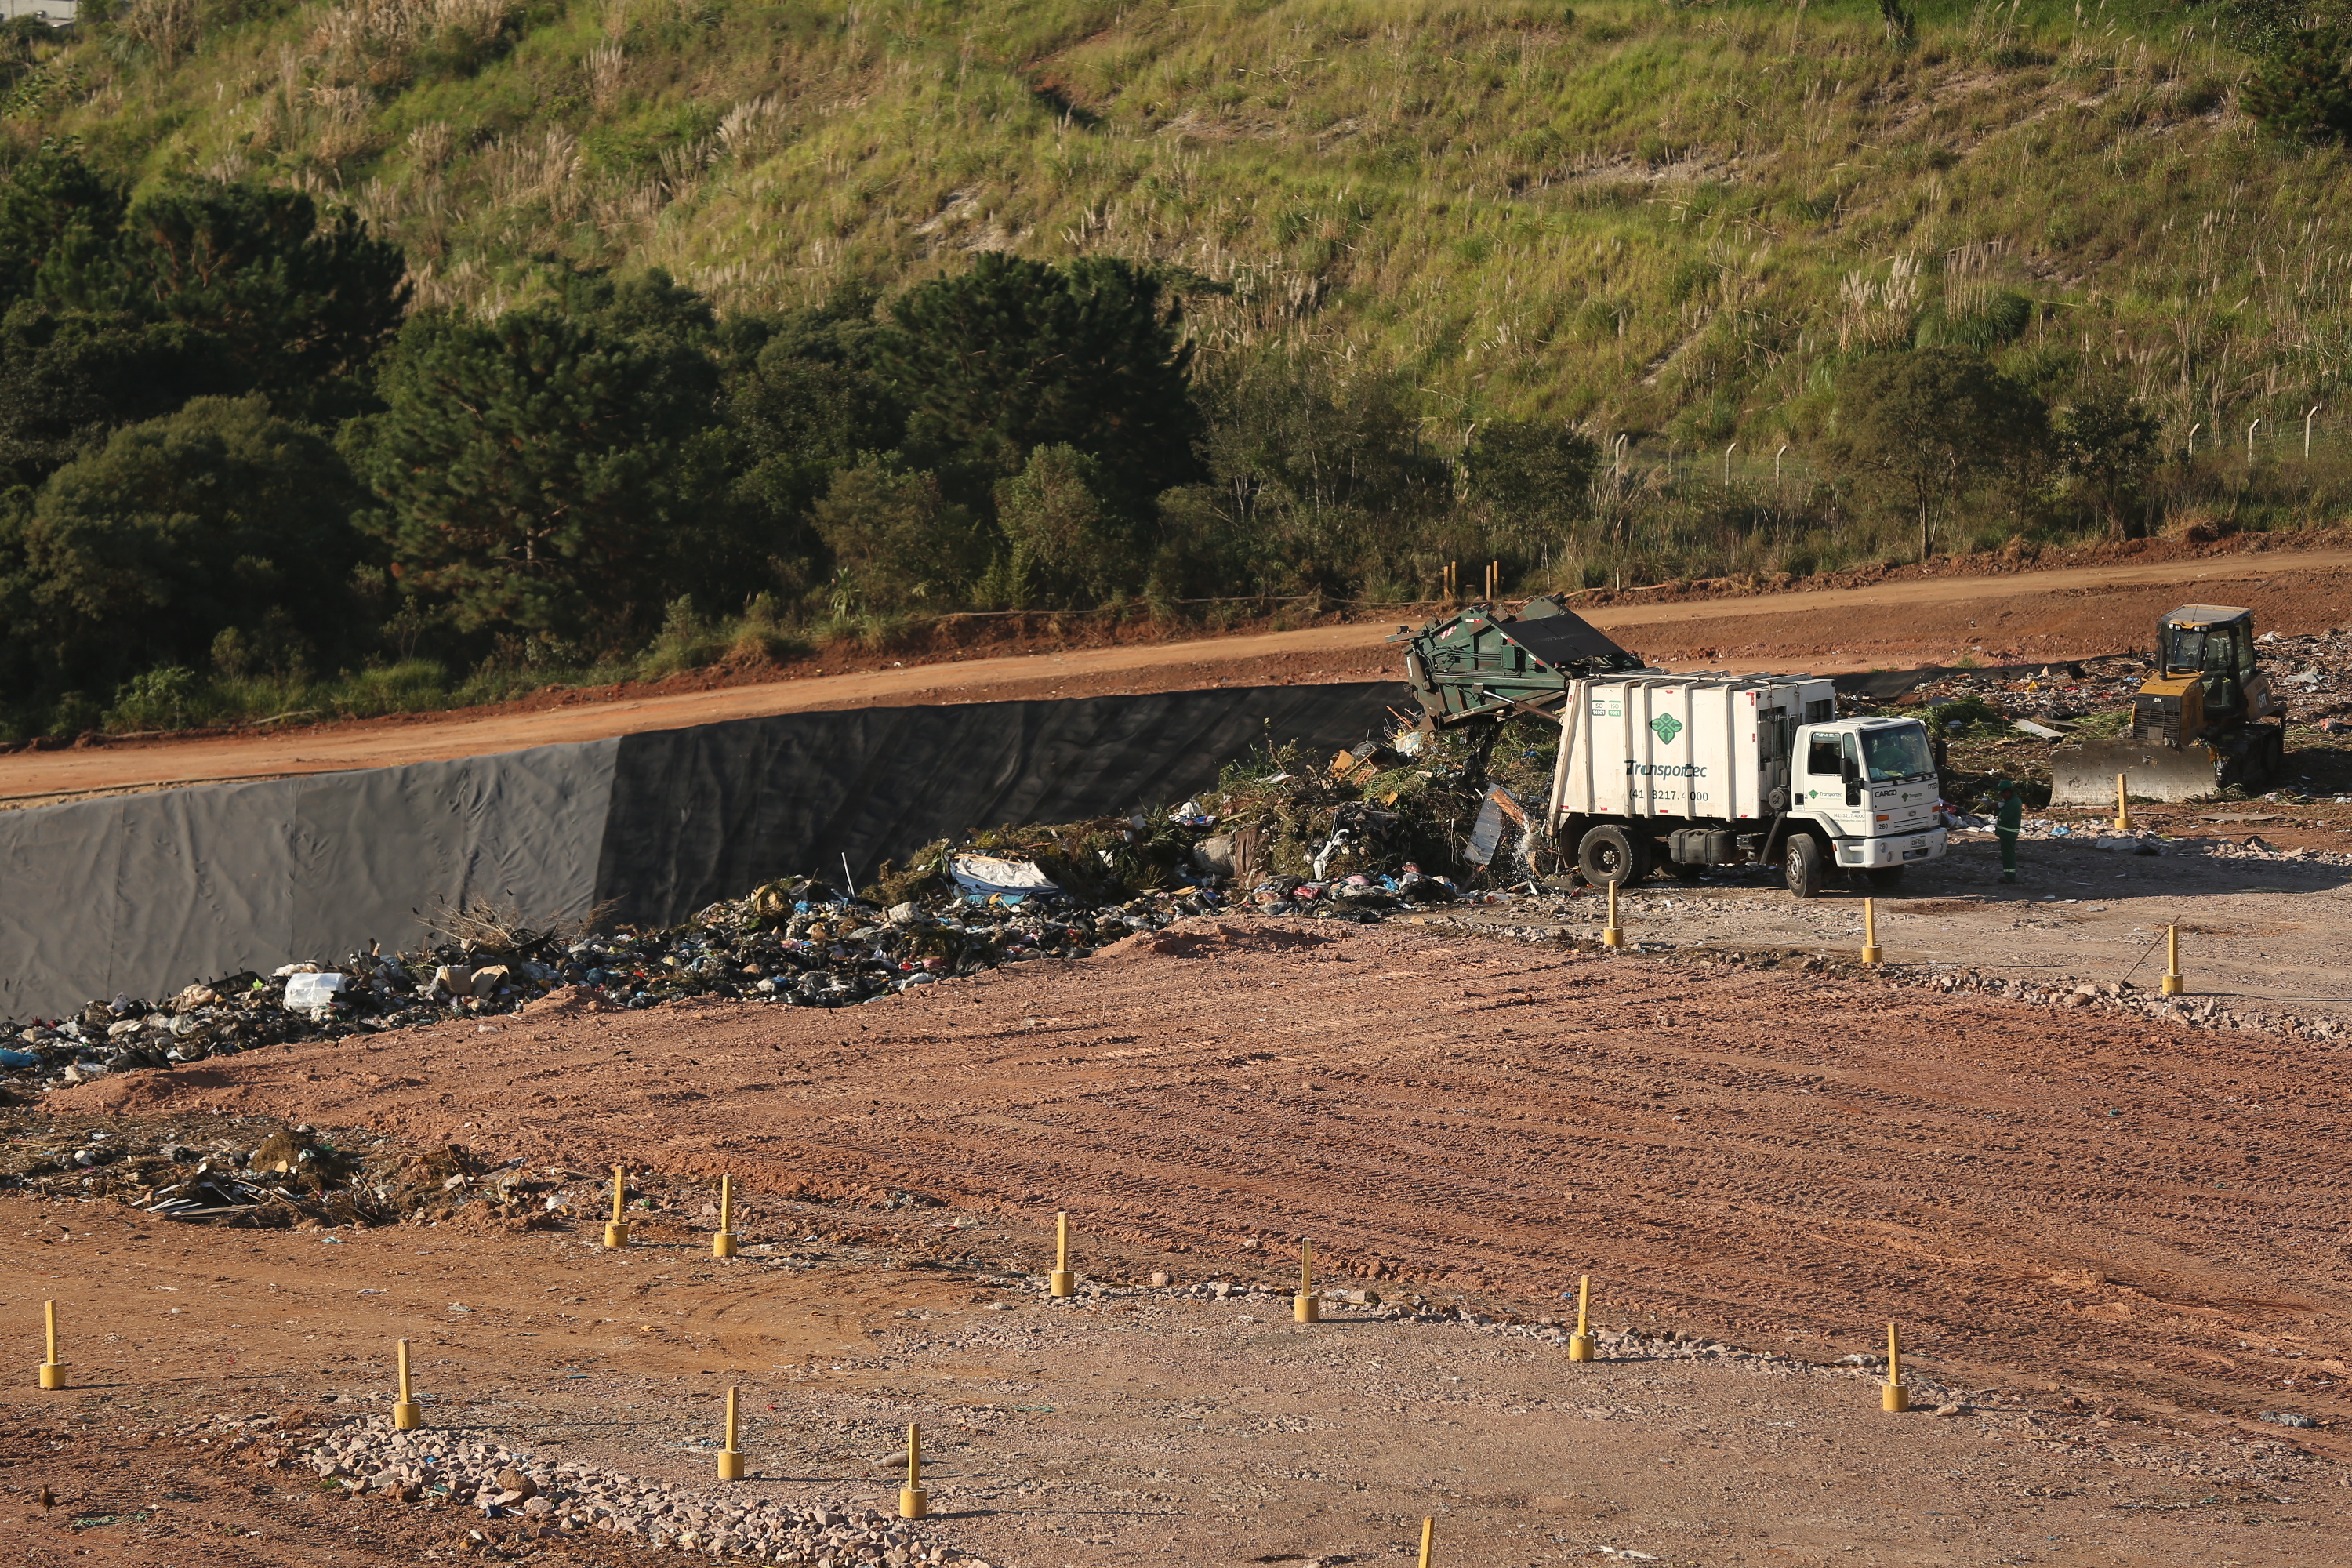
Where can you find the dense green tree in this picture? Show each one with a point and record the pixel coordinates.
(1317, 480)
(800, 419)
(1922, 426)
(896, 542)
(538, 473)
(219, 517)
(300, 305)
(2303, 90)
(809, 403)
(2107, 450)
(53, 204)
(1016, 354)
(67, 379)
(1531, 471)
(1065, 545)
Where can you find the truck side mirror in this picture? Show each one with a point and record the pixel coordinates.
(1850, 768)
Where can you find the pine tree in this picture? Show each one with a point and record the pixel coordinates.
(538, 473)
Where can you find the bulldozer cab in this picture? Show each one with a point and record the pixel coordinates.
(2214, 646)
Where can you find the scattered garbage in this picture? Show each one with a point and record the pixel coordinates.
(1380, 828)
(2000, 724)
(248, 1172)
(2062, 692)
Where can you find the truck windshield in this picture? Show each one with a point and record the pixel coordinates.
(1897, 753)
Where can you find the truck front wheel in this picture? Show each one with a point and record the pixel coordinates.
(1610, 854)
(1802, 861)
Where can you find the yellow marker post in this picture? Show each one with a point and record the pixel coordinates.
(913, 1501)
(406, 1415)
(617, 1233)
(1580, 1344)
(53, 1370)
(1895, 1398)
(1059, 1282)
(1870, 955)
(730, 1458)
(1428, 1538)
(1305, 1308)
(722, 1245)
(1611, 936)
(2123, 804)
(2174, 983)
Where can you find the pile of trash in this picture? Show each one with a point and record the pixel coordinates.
(1392, 825)
(253, 1172)
(2311, 675)
(2054, 694)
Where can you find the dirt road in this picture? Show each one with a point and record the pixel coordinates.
(2150, 1208)
(1930, 620)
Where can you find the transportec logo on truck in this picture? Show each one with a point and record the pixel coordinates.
(1666, 726)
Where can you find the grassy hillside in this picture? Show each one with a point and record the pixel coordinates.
(1666, 219)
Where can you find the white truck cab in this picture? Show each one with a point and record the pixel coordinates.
(1871, 785)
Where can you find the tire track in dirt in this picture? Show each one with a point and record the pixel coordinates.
(1753, 1153)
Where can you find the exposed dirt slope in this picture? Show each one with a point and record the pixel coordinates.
(2151, 1206)
(1902, 622)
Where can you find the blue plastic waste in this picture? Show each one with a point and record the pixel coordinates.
(18, 1059)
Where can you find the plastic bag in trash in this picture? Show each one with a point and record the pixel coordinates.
(988, 874)
(306, 990)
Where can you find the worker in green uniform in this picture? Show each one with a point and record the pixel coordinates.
(2008, 821)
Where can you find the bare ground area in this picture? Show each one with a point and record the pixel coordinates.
(2134, 1227)
(1900, 622)
(2270, 936)
(1128, 1428)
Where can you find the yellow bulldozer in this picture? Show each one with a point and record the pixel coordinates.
(2204, 719)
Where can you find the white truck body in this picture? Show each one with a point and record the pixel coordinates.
(1738, 754)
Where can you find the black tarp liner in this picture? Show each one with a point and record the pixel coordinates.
(705, 814)
(144, 894)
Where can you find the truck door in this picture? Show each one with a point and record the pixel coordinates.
(1832, 762)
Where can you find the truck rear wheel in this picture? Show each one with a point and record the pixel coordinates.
(1610, 854)
(1801, 860)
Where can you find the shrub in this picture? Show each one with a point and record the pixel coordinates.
(2304, 93)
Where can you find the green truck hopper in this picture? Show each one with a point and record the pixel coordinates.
(1483, 662)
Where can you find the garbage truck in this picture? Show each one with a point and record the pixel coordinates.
(1691, 771)
(1682, 772)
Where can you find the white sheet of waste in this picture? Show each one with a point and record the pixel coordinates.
(987, 874)
(305, 991)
